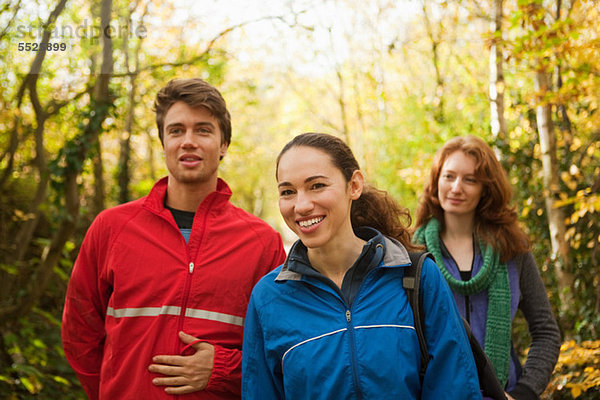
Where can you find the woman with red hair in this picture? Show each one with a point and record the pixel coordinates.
(466, 221)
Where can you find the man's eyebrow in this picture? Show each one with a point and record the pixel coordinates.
(205, 123)
(174, 124)
(202, 123)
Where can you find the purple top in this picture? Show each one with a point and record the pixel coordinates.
(529, 294)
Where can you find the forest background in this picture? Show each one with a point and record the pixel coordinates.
(394, 79)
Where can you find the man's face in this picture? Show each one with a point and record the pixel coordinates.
(192, 144)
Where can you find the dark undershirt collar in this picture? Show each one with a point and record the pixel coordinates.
(183, 219)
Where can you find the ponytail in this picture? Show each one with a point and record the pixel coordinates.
(377, 209)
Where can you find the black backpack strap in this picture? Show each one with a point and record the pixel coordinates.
(411, 283)
(488, 381)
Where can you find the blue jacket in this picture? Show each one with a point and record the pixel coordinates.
(302, 340)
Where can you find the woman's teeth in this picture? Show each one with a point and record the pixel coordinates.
(310, 222)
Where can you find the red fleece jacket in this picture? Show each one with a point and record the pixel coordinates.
(136, 284)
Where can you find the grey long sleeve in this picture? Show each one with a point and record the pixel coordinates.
(545, 335)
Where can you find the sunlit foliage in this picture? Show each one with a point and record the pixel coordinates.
(394, 79)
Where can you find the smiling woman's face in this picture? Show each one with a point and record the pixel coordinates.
(314, 197)
(459, 190)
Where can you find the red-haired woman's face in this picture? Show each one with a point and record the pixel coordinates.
(459, 190)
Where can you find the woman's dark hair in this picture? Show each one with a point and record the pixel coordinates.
(374, 208)
(495, 219)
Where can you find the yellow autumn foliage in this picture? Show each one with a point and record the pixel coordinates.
(577, 372)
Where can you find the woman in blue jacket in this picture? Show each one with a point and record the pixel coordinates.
(334, 321)
(466, 221)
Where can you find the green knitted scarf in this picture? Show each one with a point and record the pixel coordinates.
(492, 277)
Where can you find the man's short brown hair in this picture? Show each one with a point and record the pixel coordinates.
(195, 93)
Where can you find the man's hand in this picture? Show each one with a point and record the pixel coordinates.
(185, 374)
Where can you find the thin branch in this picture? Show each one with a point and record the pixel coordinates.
(16, 9)
(54, 106)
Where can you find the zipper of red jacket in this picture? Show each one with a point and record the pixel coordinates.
(190, 262)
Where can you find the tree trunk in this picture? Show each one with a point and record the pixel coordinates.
(498, 123)
(439, 80)
(547, 137)
(565, 121)
(99, 187)
(556, 218)
(27, 229)
(342, 103)
(124, 175)
(101, 91)
(11, 151)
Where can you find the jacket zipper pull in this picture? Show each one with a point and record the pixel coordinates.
(191, 267)
(348, 316)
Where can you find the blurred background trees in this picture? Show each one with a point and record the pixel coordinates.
(395, 79)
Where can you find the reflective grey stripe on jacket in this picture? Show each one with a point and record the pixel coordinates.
(174, 310)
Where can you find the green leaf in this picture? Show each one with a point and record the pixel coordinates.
(62, 380)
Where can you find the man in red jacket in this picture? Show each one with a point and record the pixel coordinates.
(156, 303)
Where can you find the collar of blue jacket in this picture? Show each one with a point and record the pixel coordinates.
(373, 254)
